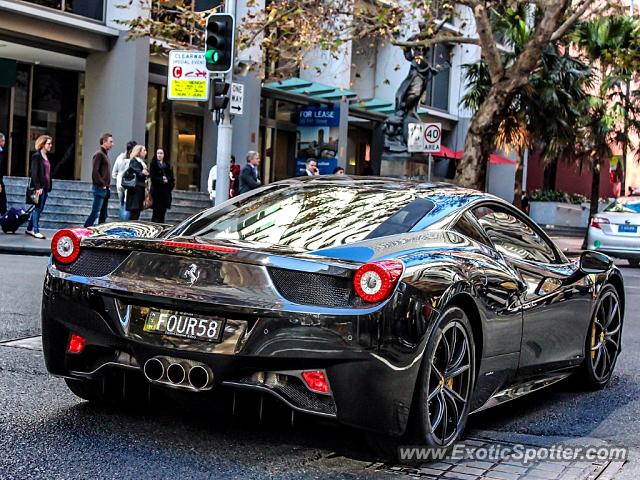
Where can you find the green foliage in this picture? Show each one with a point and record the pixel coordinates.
(553, 196)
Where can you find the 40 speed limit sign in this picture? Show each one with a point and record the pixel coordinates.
(424, 137)
(432, 137)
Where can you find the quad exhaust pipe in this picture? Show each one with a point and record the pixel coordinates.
(178, 373)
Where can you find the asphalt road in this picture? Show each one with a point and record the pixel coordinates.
(46, 432)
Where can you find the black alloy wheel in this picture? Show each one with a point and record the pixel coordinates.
(603, 339)
(447, 380)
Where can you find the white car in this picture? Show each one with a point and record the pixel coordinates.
(616, 230)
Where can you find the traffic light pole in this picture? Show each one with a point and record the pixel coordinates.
(225, 134)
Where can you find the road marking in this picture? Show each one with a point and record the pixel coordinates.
(29, 343)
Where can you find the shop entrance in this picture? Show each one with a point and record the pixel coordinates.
(186, 150)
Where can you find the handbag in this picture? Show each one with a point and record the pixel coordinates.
(32, 196)
(129, 178)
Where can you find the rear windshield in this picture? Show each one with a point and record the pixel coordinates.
(314, 217)
(624, 205)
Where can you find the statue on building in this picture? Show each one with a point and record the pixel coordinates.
(408, 97)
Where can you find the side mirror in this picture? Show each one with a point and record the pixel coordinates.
(594, 262)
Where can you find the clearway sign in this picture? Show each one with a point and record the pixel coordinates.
(188, 76)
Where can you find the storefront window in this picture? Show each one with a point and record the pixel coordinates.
(437, 92)
(54, 113)
(186, 151)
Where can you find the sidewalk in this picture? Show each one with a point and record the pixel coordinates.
(20, 243)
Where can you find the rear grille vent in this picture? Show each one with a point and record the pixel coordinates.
(312, 288)
(95, 263)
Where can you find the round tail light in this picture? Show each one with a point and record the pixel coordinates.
(65, 244)
(376, 280)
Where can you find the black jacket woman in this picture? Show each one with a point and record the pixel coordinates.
(41, 181)
(134, 201)
(162, 182)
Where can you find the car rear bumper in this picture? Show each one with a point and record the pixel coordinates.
(366, 390)
(619, 246)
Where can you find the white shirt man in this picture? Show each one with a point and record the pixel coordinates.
(211, 182)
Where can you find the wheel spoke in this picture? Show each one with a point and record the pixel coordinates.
(454, 395)
(445, 418)
(613, 342)
(598, 324)
(453, 344)
(613, 332)
(459, 357)
(437, 372)
(596, 361)
(457, 371)
(456, 411)
(613, 312)
(447, 350)
(433, 393)
(439, 415)
(597, 347)
(605, 360)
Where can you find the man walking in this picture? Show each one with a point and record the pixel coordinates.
(101, 178)
(3, 193)
(250, 175)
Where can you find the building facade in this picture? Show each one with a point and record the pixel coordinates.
(68, 70)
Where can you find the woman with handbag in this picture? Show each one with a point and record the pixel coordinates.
(162, 182)
(135, 195)
(39, 184)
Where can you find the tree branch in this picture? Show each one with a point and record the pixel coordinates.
(488, 44)
(432, 41)
(568, 23)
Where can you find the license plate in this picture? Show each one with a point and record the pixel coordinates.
(184, 325)
(628, 228)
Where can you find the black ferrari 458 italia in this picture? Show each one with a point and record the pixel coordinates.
(388, 305)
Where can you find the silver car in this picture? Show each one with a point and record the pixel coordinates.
(616, 230)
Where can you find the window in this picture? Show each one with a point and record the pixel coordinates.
(624, 205)
(513, 237)
(468, 226)
(93, 9)
(437, 92)
(314, 217)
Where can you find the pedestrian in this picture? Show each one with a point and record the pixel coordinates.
(3, 193)
(101, 178)
(234, 176)
(119, 167)
(162, 182)
(41, 181)
(211, 184)
(311, 167)
(250, 175)
(338, 171)
(135, 196)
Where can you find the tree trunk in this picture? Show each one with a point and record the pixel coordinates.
(595, 193)
(517, 190)
(550, 175)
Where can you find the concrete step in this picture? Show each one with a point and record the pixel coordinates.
(70, 201)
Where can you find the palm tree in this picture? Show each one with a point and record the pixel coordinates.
(609, 44)
(545, 112)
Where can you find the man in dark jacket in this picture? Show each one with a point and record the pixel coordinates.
(3, 193)
(250, 175)
(101, 178)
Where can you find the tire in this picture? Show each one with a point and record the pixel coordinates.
(427, 423)
(634, 262)
(446, 381)
(602, 344)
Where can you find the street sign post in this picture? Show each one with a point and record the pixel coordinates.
(237, 99)
(188, 76)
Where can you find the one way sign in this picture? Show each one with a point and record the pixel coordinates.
(237, 98)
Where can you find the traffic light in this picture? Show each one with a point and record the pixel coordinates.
(219, 99)
(219, 42)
